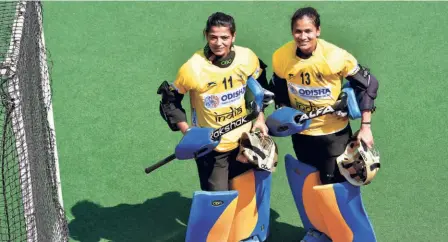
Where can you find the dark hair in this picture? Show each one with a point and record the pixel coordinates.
(220, 19)
(309, 12)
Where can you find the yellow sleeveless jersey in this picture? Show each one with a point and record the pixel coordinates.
(315, 82)
(217, 94)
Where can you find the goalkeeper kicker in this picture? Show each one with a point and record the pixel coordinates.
(223, 80)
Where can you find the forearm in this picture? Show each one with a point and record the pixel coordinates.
(183, 127)
(261, 117)
(366, 118)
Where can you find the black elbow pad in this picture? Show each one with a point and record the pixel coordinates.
(171, 106)
(172, 114)
(366, 87)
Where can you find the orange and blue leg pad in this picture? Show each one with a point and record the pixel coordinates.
(335, 209)
(251, 221)
(241, 214)
(211, 216)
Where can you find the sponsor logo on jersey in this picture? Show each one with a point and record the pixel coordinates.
(307, 108)
(310, 93)
(314, 93)
(211, 101)
(224, 99)
(229, 127)
(292, 90)
(234, 112)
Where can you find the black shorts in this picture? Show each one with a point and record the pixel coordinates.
(322, 151)
(217, 169)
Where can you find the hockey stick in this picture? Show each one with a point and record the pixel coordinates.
(217, 133)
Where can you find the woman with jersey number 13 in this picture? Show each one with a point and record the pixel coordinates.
(308, 74)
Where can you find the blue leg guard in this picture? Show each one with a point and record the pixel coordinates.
(252, 215)
(211, 216)
(335, 209)
(345, 216)
(297, 173)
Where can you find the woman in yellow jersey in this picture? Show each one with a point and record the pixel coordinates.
(308, 74)
(215, 77)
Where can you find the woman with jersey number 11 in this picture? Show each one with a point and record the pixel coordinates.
(216, 76)
(308, 73)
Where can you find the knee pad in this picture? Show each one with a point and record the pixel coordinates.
(335, 209)
(211, 216)
(252, 214)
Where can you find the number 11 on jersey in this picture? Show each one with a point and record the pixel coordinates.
(229, 81)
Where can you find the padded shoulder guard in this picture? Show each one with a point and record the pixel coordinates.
(170, 106)
(365, 86)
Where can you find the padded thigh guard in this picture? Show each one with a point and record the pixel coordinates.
(252, 214)
(335, 209)
(211, 216)
(170, 106)
(195, 143)
(282, 122)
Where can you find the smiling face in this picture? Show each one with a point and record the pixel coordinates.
(305, 34)
(220, 39)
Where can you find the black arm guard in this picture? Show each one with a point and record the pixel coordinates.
(280, 89)
(365, 86)
(170, 107)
